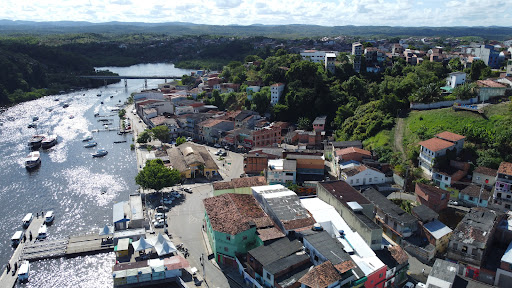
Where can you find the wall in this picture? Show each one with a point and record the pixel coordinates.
(423, 106)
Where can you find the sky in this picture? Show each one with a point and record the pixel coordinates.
(276, 12)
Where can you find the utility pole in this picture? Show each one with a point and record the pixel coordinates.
(201, 259)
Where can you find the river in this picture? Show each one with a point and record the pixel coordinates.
(79, 189)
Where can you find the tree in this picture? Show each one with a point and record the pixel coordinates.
(144, 137)
(455, 64)
(122, 113)
(161, 133)
(156, 176)
(304, 123)
(477, 69)
(426, 94)
(180, 140)
(465, 91)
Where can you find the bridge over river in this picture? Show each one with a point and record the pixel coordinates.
(125, 78)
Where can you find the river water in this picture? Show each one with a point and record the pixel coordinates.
(79, 189)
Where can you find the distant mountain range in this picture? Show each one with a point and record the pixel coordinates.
(278, 31)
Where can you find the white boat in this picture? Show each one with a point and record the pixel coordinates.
(33, 160)
(87, 138)
(16, 238)
(100, 153)
(41, 233)
(27, 219)
(90, 144)
(35, 141)
(49, 141)
(48, 217)
(23, 271)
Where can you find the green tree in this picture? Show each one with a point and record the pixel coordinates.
(161, 133)
(426, 94)
(465, 91)
(304, 123)
(180, 140)
(477, 70)
(144, 137)
(156, 176)
(455, 64)
(121, 113)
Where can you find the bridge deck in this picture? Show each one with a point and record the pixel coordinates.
(111, 77)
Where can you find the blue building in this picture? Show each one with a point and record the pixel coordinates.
(487, 54)
(475, 195)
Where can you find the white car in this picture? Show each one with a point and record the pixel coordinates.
(408, 285)
(159, 223)
(421, 285)
(453, 202)
(159, 216)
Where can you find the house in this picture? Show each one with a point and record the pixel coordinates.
(192, 160)
(231, 222)
(319, 123)
(324, 275)
(188, 124)
(357, 52)
(488, 89)
(211, 130)
(284, 207)
(455, 79)
(128, 214)
(352, 153)
(509, 68)
(362, 175)
(471, 239)
(276, 91)
(503, 186)
(456, 139)
(442, 275)
(238, 185)
(279, 264)
(307, 164)
(257, 161)
(437, 234)
(476, 195)
(281, 171)
(489, 55)
(331, 147)
(431, 196)
(394, 221)
(361, 254)
(436, 147)
(267, 136)
(397, 263)
(484, 176)
(504, 272)
(322, 248)
(355, 209)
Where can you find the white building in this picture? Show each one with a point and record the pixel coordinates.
(276, 90)
(442, 274)
(313, 56)
(455, 79)
(432, 148)
(281, 171)
(357, 51)
(330, 61)
(509, 67)
(362, 175)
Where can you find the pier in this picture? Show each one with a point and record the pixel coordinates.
(46, 249)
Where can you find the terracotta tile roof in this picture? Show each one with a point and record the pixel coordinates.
(436, 144)
(298, 223)
(398, 254)
(321, 276)
(270, 234)
(474, 191)
(158, 120)
(505, 168)
(353, 150)
(277, 85)
(211, 122)
(490, 83)
(353, 170)
(447, 135)
(240, 183)
(233, 213)
(485, 171)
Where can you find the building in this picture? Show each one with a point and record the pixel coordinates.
(362, 175)
(484, 176)
(284, 207)
(438, 235)
(442, 275)
(279, 264)
(471, 239)
(397, 263)
(211, 130)
(476, 195)
(503, 186)
(436, 147)
(395, 222)
(489, 55)
(357, 52)
(281, 171)
(257, 162)
(276, 91)
(351, 153)
(231, 222)
(456, 139)
(307, 164)
(455, 79)
(330, 62)
(128, 214)
(238, 185)
(489, 89)
(319, 123)
(356, 210)
(431, 196)
(509, 68)
(267, 136)
(192, 160)
(321, 248)
(314, 56)
(504, 272)
(324, 275)
(331, 147)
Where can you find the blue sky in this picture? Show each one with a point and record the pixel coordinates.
(245, 12)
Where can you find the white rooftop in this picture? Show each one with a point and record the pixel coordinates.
(437, 229)
(507, 257)
(364, 256)
(276, 164)
(272, 191)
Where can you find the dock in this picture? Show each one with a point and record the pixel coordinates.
(46, 249)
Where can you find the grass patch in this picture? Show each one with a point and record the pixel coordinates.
(382, 139)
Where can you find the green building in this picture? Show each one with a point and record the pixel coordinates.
(233, 224)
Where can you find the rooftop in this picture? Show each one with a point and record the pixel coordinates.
(388, 207)
(240, 182)
(505, 168)
(444, 270)
(437, 229)
(475, 228)
(490, 83)
(350, 150)
(321, 276)
(271, 233)
(329, 247)
(287, 262)
(424, 213)
(436, 144)
(486, 171)
(474, 191)
(346, 144)
(320, 120)
(342, 191)
(282, 165)
(507, 257)
(430, 189)
(279, 249)
(447, 135)
(234, 213)
(393, 256)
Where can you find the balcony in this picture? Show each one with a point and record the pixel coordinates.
(426, 159)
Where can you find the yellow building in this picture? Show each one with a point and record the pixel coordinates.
(192, 160)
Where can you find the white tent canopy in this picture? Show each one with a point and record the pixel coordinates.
(140, 245)
(107, 230)
(162, 244)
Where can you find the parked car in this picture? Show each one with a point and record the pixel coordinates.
(227, 148)
(159, 223)
(421, 285)
(188, 190)
(162, 209)
(408, 285)
(223, 153)
(219, 152)
(159, 215)
(453, 202)
(216, 145)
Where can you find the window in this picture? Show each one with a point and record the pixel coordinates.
(357, 180)
(465, 249)
(226, 249)
(244, 238)
(370, 180)
(471, 198)
(374, 242)
(455, 246)
(380, 275)
(228, 237)
(268, 276)
(351, 181)
(507, 206)
(316, 258)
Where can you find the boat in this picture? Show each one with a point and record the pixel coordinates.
(17, 238)
(111, 96)
(32, 125)
(71, 116)
(96, 114)
(101, 102)
(41, 233)
(95, 130)
(100, 153)
(35, 141)
(90, 144)
(122, 141)
(65, 105)
(23, 271)
(48, 217)
(27, 219)
(99, 94)
(35, 118)
(87, 138)
(33, 160)
(49, 141)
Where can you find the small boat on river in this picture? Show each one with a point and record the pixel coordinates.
(121, 141)
(33, 160)
(100, 153)
(49, 142)
(35, 141)
(87, 138)
(48, 217)
(23, 271)
(90, 144)
(41, 233)
(27, 219)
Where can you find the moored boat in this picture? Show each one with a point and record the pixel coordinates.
(87, 138)
(49, 141)
(90, 144)
(35, 141)
(27, 219)
(100, 153)
(33, 160)
(41, 233)
(23, 271)
(48, 217)
(17, 238)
